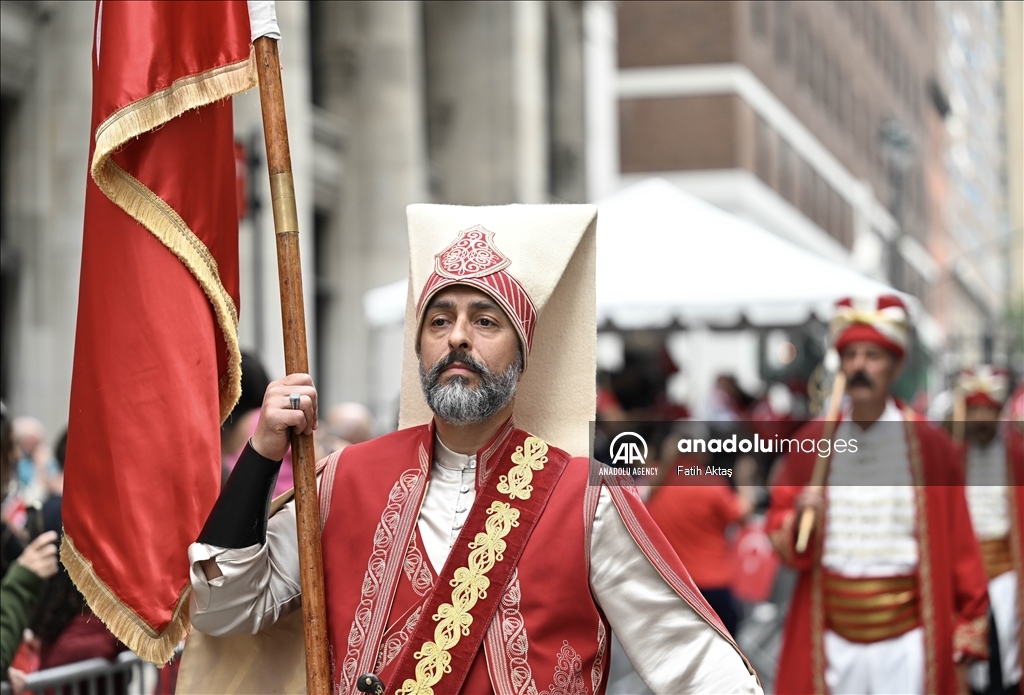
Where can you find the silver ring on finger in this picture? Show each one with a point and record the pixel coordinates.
(295, 400)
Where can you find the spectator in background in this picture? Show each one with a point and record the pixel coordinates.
(66, 627)
(23, 580)
(34, 465)
(728, 402)
(608, 407)
(51, 507)
(20, 591)
(11, 543)
(63, 627)
(993, 457)
(696, 517)
(347, 423)
(241, 423)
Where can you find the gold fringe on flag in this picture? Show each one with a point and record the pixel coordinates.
(147, 208)
(132, 196)
(153, 646)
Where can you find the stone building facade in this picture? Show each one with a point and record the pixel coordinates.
(774, 110)
(388, 103)
(821, 122)
(974, 232)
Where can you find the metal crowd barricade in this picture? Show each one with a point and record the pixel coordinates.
(98, 677)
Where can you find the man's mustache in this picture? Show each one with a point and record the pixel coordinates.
(860, 378)
(462, 358)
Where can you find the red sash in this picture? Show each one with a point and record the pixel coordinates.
(465, 597)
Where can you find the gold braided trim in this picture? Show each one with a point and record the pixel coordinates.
(183, 95)
(879, 633)
(924, 562)
(880, 602)
(470, 583)
(153, 646)
(147, 208)
(528, 458)
(870, 585)
(996, 556)
(144, 206)
(971, 637)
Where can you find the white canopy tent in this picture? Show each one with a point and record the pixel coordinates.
(665, 257)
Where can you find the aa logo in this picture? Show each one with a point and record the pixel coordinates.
(628, 449)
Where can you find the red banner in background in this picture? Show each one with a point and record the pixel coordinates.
(156, 353)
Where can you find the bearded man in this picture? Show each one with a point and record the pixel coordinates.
(500, 336)
(994, 462)
(891, 594)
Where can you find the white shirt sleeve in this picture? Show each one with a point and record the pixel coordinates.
(671, 647)
(260, 583)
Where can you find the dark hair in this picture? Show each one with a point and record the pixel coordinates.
(254, 384)
(60, 449)
(59, 603)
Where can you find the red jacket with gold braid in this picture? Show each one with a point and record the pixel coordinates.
(1013, 439)
(547, 632)
(951, 577)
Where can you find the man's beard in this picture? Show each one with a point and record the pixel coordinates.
(455, 402)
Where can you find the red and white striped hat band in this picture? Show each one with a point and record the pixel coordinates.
(883, 321)
(474, 260)
(984, 386)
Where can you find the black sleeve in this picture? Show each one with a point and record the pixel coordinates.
(239, 518)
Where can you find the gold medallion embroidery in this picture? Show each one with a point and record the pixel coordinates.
(529, 457)
(470, 583)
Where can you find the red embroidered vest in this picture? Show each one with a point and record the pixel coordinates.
(547, 635)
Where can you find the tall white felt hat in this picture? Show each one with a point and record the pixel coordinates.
(538, 262)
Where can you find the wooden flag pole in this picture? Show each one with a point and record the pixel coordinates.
(820, 473)
(286, 226)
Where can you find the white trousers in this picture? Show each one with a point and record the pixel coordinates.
(890, 667)
(1002, 594)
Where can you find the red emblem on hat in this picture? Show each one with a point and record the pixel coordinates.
(471, 255)
(473, 259)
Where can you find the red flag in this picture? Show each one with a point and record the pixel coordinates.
(156, 353)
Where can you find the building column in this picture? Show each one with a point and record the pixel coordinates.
(46, 153)
(371, 66)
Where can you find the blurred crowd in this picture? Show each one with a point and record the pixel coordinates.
(718, 528)
(46, 621)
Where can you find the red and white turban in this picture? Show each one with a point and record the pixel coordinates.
(883, 321)
(984, 386)
(473, 259)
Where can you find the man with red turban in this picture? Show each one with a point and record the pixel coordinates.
(891, 593)
(994, 468)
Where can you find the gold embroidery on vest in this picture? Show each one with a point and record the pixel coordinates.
(470, 583)
(529, 457)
